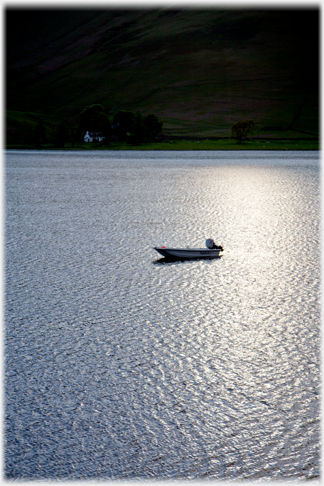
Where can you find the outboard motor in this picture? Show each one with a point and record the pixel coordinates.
(210, 244)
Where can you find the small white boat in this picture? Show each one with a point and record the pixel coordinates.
(188, 253)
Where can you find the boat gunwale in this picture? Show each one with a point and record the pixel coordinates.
(189, 253)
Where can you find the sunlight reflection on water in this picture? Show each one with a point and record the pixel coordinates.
(121, 368)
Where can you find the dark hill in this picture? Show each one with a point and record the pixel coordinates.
(200, 71)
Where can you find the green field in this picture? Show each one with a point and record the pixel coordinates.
(188, 145)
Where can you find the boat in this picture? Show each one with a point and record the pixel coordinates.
(188, 253)
(211, 251)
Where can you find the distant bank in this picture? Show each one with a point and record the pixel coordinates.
(193, 144)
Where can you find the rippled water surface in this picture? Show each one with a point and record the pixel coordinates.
(120, 365)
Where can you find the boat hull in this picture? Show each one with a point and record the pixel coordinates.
(188, 253)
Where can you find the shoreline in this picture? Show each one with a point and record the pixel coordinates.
(181, 145)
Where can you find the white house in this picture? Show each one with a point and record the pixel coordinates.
(93, 137)
(87, 137)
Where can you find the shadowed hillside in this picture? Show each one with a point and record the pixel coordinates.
(199, 71)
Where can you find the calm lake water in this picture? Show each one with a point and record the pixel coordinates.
(119, 365)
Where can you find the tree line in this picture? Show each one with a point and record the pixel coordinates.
(126, 126)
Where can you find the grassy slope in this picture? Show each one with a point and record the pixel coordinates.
(199, 71)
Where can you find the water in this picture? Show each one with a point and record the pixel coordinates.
(121, 366)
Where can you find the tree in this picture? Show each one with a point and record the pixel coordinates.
(105, 127)
(138, 131)
(122, 124)
(39, 133)
(61, 135)
(133, 126)
(94, 118)
(152, 125)
(241, 129)
(72, 131)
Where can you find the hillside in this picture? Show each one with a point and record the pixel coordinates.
(199, 71)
